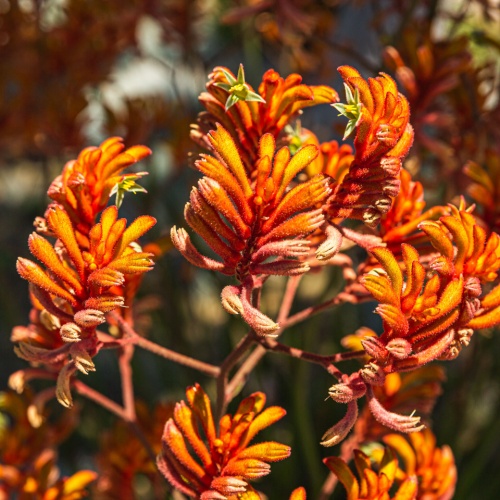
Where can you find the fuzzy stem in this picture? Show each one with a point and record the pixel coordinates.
(231, 360)
(251, 362)
(136, 339)
(341, 298)
(124, 359)
(325, 361)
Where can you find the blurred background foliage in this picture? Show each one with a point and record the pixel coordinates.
(73, 72)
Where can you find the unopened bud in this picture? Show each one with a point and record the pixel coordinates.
(70, 332)
(49, 321)
(383, 204)
(340, 430)
(473, 286)
(374, 348)
(63, 392)
(373, 374)
(89, 318)
(82, 360)
(400, 348)
(331, 245)
(230, 298)
(17, 381)
(347, 392)
(371, 217)
(464, 335)
(229, 485)
(105, 303)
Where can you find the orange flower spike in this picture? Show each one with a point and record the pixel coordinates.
(380, 116)
(238, 217)
(269, 110)
(433, 467)
(230, 463)
(373, 485)
(85, 184)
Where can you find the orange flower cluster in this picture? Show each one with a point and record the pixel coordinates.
(429, 472)
(248, 221)
(28, 461)
(247, 121)
(224, 465)
(484, 187)
(85, 272)
(383, 137)
(427, 314)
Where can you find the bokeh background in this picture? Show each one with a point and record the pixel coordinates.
(74, 72)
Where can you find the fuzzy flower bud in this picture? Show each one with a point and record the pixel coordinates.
(82, 360)
(230, 298)
(346, 392)
(399, 348)
(374, 348)
(63, 391)
(373, 374)
(70, 332)
(89, 318)
(339, 431)
(49, 321)
(331, 245)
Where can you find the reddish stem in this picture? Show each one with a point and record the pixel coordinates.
(134, 338)
(251, 362)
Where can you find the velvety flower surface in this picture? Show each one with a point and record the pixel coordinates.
(428, 472)
(248, 120)
(219, 463)
(380, 115)
(256, 225)
(91, 269)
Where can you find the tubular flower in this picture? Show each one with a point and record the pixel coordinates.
(224, 463)
(400, 393)
(77, 286)
(380, 116)
(484, 187)
(434, 467)
(425, 316)
(247, 121)
(429, 472)
(428, 317)
(400, 223)
(85, 185)
(248, 221)
(373, 484)
(92, 269)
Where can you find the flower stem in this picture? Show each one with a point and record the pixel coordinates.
(251, 362)
(134, 338)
